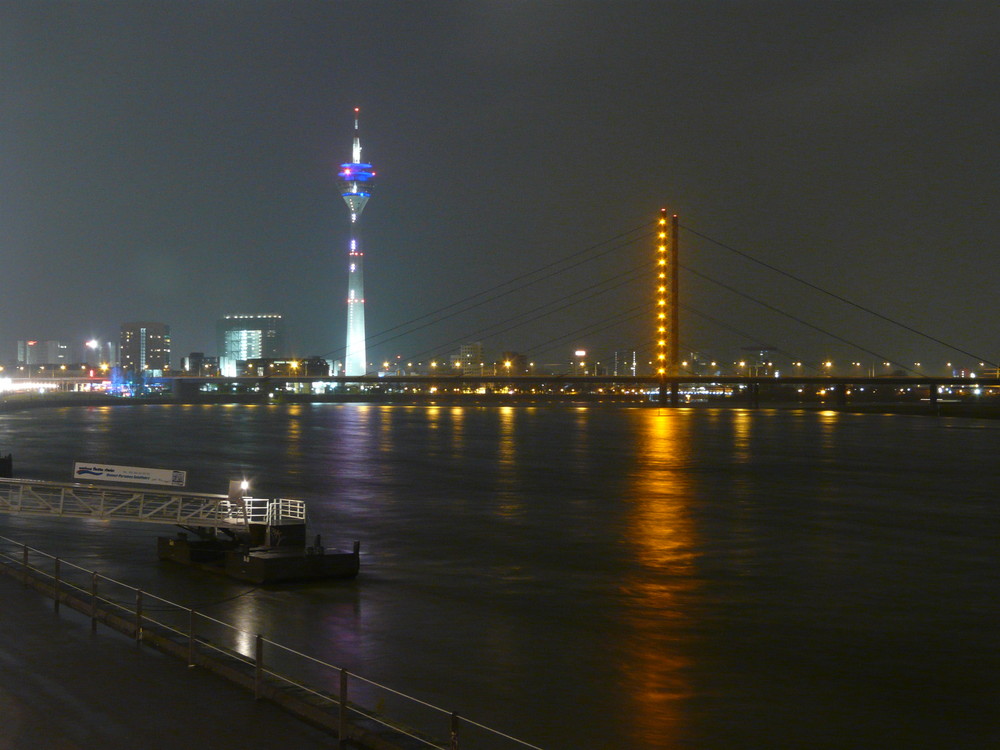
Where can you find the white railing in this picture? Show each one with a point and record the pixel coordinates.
(349, 697)
(32, 497)
(274, 512)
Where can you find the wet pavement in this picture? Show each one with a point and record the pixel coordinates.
(64, 688)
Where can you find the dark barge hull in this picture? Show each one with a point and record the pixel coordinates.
(261, 564)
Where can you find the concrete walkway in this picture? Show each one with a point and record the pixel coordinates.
(62, 688)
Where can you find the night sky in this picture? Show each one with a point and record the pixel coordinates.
(175, 161)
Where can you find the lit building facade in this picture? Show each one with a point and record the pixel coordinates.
(469, 359)
(33, 352)
(244, 337)
(625, 363)
(145, 347)
(356, 180)
(100, 353)
(196, 363)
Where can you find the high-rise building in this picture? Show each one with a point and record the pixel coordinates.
(98, 353)
(469, 359)
(625, 363)
(145, 347)
(33, 352)
(356, 181)
(243, 337)
(196, 363)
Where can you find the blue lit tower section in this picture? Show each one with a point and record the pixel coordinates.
(356, 181)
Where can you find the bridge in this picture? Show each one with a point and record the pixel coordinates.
(665, 390)
(657, 387)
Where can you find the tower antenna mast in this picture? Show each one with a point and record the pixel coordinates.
(356, 180)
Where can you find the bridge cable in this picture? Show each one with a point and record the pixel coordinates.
(509, 282)
(836, 296)
(615, 283)
(799, 320)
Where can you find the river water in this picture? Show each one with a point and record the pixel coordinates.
(597, 576)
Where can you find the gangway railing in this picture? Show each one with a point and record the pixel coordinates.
(275, 512)
(353, 708)
(34, 497)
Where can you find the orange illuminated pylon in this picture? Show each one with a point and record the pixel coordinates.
(661, 294)
(667, 298)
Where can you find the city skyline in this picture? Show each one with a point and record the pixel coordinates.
(179, 174)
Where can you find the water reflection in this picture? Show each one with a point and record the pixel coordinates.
(661, 533)
(511, 500)
(354, 457)
(293, 439)
(828, 421)
(457, 430)
(742, 421)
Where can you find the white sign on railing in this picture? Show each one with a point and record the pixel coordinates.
(131, 474)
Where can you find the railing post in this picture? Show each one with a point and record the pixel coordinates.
(138, 616)
(26, 567)
(191, 637)
(454, 732)
(258, 673)
(342, 721)
(93, 602)
(56, 605)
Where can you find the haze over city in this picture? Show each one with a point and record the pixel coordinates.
(177, 162)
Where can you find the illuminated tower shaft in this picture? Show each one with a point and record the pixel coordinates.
(667, 298)
(356, 182)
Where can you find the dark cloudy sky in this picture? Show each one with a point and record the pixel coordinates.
(175, 161)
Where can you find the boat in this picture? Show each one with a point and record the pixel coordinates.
(260, 564)
(268, 546)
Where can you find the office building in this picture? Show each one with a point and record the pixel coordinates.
(145, 348)
(469, 359)
(243, 337)
(34, 352)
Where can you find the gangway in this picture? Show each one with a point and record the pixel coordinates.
(188, 509)
(254, 539)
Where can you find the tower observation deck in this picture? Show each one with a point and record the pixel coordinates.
(356, 180)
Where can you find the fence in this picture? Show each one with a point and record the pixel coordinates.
(346, 704)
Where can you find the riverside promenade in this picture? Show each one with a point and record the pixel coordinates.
(63, 688)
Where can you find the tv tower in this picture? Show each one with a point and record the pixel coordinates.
(356, 181)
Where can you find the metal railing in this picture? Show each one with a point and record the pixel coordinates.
(351, 703)
(275, 512)
(33, 497)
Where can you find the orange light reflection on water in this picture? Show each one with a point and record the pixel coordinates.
(510, 500)
(661, 534)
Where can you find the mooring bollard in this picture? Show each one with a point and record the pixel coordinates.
(138, 616)
(342, 723)
(56, 598)
(258, 674)
(190, 637)
(93, 602)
